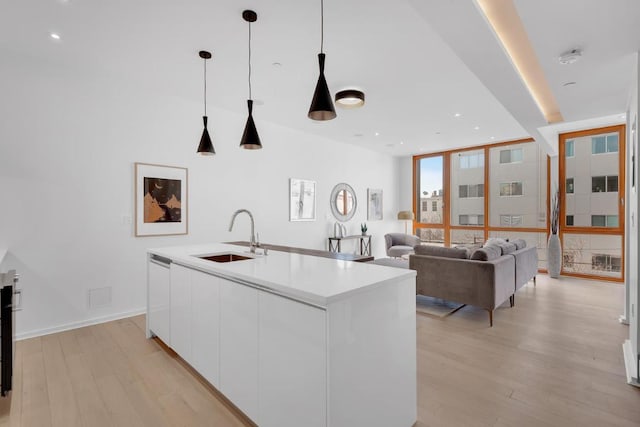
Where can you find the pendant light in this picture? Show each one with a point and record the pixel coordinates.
(250, 139)
(322, 103)
(206, 146)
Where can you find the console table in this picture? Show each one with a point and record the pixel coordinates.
(365, 243)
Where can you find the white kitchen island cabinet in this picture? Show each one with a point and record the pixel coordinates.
(296, 340)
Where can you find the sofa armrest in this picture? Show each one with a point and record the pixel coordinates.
(485, 284)
(526, 265)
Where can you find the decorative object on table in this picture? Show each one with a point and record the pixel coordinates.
(554, 249)
(339, 230)
(206, 146)
(363, 229)
(322, 104)
(302, 200)
(343, 202)
(374, 204)
(161, 200)
(250, 139)
(406, 216)
(350, 98)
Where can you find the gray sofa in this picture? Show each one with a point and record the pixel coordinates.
(399, 244)
(526, 267)
(447, 273)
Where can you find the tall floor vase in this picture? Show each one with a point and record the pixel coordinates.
(554, 256)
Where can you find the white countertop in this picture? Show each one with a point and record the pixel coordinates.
(315, 280)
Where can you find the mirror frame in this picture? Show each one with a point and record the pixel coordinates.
(332, 201)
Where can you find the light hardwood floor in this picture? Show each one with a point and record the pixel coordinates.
(555, 359)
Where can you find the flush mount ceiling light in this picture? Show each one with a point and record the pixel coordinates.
(206, 146)
(350, 98)
(250, 138)
(322, 104)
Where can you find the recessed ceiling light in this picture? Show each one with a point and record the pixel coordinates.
(55, 36)
(457, 115)
(277, 64)
(492, 137)
(389, 145)
(401, 142)
(437, 133)
(377, 133)
(569, 84)
(477, 128)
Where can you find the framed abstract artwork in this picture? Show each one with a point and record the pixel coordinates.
(374, 205)
(161, 200)
(302, 200)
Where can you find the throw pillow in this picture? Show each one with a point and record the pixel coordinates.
(487, 253)
(494, 240)
(440, 251)
(506, 247)
(520, 243)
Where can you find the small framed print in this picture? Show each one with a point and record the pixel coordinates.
(302, 200)
(374, 205)
(161, 200)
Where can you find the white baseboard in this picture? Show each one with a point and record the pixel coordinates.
(630, 364)
(80, 324)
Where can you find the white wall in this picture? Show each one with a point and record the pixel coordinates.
(632, 301)
(68, 142)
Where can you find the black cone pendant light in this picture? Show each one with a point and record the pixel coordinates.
(250, 139)
(206, 146)
(322, 103)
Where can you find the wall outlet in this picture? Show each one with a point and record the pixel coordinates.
(99, 297)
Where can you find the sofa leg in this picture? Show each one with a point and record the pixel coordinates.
(512, 300)
(534, 280)
(490, 318)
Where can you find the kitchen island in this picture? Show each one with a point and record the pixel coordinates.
(290, 339)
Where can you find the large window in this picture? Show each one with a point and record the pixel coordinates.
(495, 190)
(591, 207)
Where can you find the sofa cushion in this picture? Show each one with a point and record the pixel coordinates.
(487, 253)
(494, 240)
(441, 251)
(520, 243)
(506, 247)
(399, 250)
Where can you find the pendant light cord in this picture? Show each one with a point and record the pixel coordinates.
(250, 60)
(321, 26)
(205, 87)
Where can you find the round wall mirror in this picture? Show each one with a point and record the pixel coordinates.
(343, 202)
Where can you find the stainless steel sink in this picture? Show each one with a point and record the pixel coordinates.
(229, 257)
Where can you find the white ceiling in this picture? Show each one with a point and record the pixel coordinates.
(416, 72)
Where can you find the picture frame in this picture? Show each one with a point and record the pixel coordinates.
(161, 200)
(374, 204)
(302, 200)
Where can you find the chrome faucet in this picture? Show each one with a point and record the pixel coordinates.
(252, 242)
